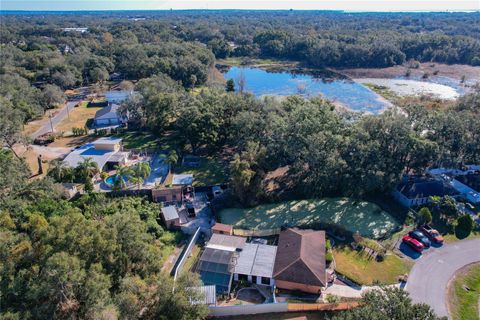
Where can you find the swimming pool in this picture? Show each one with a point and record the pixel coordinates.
(110, 181)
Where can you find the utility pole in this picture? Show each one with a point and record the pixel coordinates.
(50, 118)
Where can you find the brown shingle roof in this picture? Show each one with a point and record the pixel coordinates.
(301, 257)
(222, 227)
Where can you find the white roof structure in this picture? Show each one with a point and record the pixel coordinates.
(256, 260)
(101, 157)
(203, 295)
(182, 179)
(170, 213)
(109, 112)
(108, 140)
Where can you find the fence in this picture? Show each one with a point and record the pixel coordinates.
(256, 233)
(177, 268)
(130, 193)
(279, 307)
(248, 309)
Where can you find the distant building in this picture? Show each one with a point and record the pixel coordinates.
(106, 152)
(117, 96)
(170, 217)
(415, 191)
(108, 116)
(300, 261)
(81, 30)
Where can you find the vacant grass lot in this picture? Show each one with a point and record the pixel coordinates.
(465, 304)
(362, 216)
(78, 118)
(209, 172)
(357, 267)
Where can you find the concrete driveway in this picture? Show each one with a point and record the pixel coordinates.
(47, 127)
(428, 280)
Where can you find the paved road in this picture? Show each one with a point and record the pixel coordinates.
(429, 277)
(55, 120)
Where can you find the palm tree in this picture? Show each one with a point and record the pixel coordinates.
(143, 170)
(137, 180)
(172, 159)
(87, 168)
(122, 175)
(60, 171)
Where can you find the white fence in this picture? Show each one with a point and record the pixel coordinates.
(248, 309)
(185, 253)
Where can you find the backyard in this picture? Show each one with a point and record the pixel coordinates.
(362, 216)
(209, 172)
(464, 303)
(357, 267)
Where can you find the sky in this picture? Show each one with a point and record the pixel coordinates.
(349, 5)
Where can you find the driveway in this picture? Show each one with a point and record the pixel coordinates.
(428, 280)
(55, 120)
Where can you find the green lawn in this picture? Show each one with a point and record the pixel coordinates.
(366, 217)
(465, 304)
(358, 268)
(147, 140)
(209, 172)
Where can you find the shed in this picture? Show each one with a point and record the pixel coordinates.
(221, 228)
(167, 195)
(255, 263)
(170, 216)
(203, 295)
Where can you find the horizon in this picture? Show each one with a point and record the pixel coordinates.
(409, 6)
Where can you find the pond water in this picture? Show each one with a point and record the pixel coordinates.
(331, 86)
(362, 216)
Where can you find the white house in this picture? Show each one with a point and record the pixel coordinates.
(108, 116)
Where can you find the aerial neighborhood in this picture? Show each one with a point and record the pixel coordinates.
(224, 164)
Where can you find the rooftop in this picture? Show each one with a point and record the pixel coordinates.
(108, 112)
(222, 227)
(101, 157)
(256, 260)
(226, 242)
(300, 257)
(108, 140)
(182, 179)
(422, 187)
(170, 213)
(203, 295)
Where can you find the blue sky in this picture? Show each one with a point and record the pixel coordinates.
(353, 5)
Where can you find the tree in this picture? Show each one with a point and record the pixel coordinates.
(230, 86)
(10, 126)
(52, 96)
(86, 169)
(388, 303)
(122, 175)
(60, 171)
(425, 215)
(465, 224)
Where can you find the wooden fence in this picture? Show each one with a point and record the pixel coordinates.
(256, 233)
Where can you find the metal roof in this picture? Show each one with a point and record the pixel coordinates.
(256, 260)
(108, 140)
(170, 213)
(182, 179)
(217, 256)
(203, 295)
(226, 241)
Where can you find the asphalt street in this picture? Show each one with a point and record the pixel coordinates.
(431, 273)
(47, 127)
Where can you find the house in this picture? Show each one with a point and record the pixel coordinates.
(221, 228)
(170, 217)
(300, 261)
(255, 264)
(215, 263)
(106, 152)
(117, 96)
(108, 116)
(167, 195)
(414, 191)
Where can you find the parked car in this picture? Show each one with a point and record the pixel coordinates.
(418, 235)
(432, 234)
(413, 243)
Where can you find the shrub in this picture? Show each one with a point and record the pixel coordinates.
(465, 223)
(425, 215)
(329, 257)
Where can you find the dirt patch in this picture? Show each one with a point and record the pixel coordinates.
(72, 142)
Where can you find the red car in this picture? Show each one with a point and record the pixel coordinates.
(432, 234)
(413, 243)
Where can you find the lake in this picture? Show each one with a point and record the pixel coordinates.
(336, 88)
